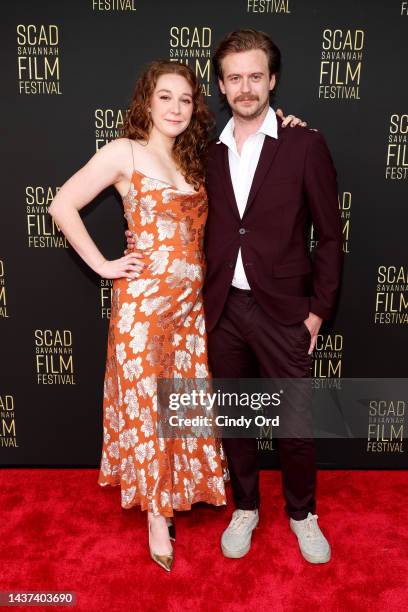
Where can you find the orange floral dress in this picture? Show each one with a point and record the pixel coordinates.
(157, 329)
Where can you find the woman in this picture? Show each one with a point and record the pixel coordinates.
(157, 322)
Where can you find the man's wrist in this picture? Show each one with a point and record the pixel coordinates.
(315, 315)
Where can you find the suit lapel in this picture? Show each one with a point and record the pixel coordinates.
(269, 149)
(227, 183)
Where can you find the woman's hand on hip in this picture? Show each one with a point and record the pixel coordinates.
(130, 242)
(128, 267)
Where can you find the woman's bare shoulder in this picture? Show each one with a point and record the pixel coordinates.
(116, 153)
(118, 146)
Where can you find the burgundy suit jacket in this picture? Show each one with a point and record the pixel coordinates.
(295, 180)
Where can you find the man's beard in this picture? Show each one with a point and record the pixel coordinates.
(253, 115)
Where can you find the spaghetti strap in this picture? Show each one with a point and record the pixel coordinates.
(133, 157)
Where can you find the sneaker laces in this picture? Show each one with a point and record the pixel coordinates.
(312, 530)
(239, 519)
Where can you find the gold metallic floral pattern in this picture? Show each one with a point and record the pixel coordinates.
(157, 330)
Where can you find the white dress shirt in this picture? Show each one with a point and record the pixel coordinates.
(242, 169)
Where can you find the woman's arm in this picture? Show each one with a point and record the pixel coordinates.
(103, 169)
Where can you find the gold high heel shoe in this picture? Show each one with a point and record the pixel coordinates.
(165, 561)
(172, 529)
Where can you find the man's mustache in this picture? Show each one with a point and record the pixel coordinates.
(246, 98)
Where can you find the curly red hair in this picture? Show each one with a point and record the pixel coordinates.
(190, 147)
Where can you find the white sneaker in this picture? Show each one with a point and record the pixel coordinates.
(236, 539)
(312, 543)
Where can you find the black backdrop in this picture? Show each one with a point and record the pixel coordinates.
(67, 76)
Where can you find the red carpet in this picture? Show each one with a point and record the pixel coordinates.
(61, 531)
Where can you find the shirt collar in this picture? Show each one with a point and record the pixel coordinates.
(269, 127)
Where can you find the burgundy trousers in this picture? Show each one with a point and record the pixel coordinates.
(247, 343)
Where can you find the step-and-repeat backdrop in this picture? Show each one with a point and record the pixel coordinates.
(68, 72)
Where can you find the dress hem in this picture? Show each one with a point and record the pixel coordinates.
(185, 508)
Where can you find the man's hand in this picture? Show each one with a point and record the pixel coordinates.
(290, 119)
(130, 242)
(313, 324)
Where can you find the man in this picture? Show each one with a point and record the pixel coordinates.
(263, 298)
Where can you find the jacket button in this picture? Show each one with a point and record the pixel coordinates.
(242, 230)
